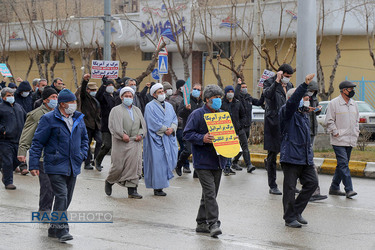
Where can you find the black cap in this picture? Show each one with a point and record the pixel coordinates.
(180, 83)
(48, 91)
(346, 84)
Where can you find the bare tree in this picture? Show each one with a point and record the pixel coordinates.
(5, 39)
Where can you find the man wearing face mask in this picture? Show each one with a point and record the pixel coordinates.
(22, 96)
(296, 155)
(184, 111)
(128, 128)
(160, 144)
(37, 95)
(61, 135)
(49, 96)
(274, 91)
(207, 163)
(342, 121)
(90, 107)
(168, 90)
(12, 119)
(138, 100)
(106, 98)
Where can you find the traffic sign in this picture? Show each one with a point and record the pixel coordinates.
(163, 64)
(155, 74)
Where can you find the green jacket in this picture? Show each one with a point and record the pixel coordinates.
(29, 129)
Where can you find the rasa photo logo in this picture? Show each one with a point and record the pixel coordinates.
(72, 217)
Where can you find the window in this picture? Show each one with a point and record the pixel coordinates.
(224, 48)
(147, 56)
(42, 54)
(61, 56)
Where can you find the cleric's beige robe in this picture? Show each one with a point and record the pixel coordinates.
(126, 158)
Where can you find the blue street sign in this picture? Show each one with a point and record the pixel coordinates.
(155, 74)
(163, 64)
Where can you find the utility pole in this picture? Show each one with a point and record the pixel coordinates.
(107, 30)
(256, 57)
(306, 39)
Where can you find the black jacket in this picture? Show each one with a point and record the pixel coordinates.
(184, 113)
(107, 102)
(25, 102)
(90, 107)
(12, 119)
(236, 111)
(275, 97)
(36, 96)
(247, 102)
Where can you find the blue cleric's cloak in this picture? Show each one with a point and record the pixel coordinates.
(159, 150)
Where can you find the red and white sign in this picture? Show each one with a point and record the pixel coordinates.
(104, 68)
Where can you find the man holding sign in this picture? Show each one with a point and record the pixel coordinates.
(207, 162)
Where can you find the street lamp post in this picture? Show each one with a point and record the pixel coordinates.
(107, 30)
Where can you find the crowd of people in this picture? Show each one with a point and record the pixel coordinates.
(153, 132)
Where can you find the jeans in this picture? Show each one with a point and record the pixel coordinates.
(9, 162)
(271, 168)
(245, 149)
(342, 172)
(45, 193)
(208, 211)
(63, 187)
(307, 176)
(106, 147)
(97, 135)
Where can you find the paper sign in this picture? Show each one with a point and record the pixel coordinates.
(186, 90)
(4, 70)
(104, 68)
(221, 127)
(266, 74)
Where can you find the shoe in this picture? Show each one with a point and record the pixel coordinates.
(187, 170)
(88, 167)
(250, 168)
(24, 172)
(225, 172)
(231, 172)
(159, 192)
(235, 166)
(301, 220)
(275, 191)
(108, 188)
(202, 228)
(336, 192)
(215, 230)
(98, 166)
(195, 175)
(350, 194)
(132, 193)
(10, 187)
(297, 191)
(52, 234)
(178, 169)
(318, 197)
(65, 237)
(293, 224)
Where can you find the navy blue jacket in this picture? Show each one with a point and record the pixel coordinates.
(107, 102)
(64, 151)
(295, 131)
(12, 120)
(204, 154)
(25, 102)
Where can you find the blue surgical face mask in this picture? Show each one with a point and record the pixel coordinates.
(10, 99)
(127, 101)
(93, 93)
(216, 103)
(25, 94)
(52, 103)
(196, 93)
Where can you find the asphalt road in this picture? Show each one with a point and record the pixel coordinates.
(251, 218)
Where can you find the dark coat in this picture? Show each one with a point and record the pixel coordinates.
(25, 102)
(64, 151)
(107, 102)
(12, 120)
(247, 102)
(90, 107)
(275, 97)
(295, 131)
(36, 96)
(312, 115)
(184, 113)
(236, 111)
(204, 154)
(176, 100)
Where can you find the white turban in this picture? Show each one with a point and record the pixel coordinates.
(126, 89)
(155, 87)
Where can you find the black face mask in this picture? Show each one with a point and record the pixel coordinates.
(351, 94)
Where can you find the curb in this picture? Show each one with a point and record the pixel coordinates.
(325, 165)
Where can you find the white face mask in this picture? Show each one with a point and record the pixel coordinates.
(161, 98)
(230, 95)
(72, 107)
(310, 93)
(93, 93)
(169, 92)
(25, 94)
(306, 104)
(110, 89)
(285, 80)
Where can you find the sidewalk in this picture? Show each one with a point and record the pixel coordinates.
(325, 165)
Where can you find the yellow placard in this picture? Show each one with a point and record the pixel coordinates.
(221, 127)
